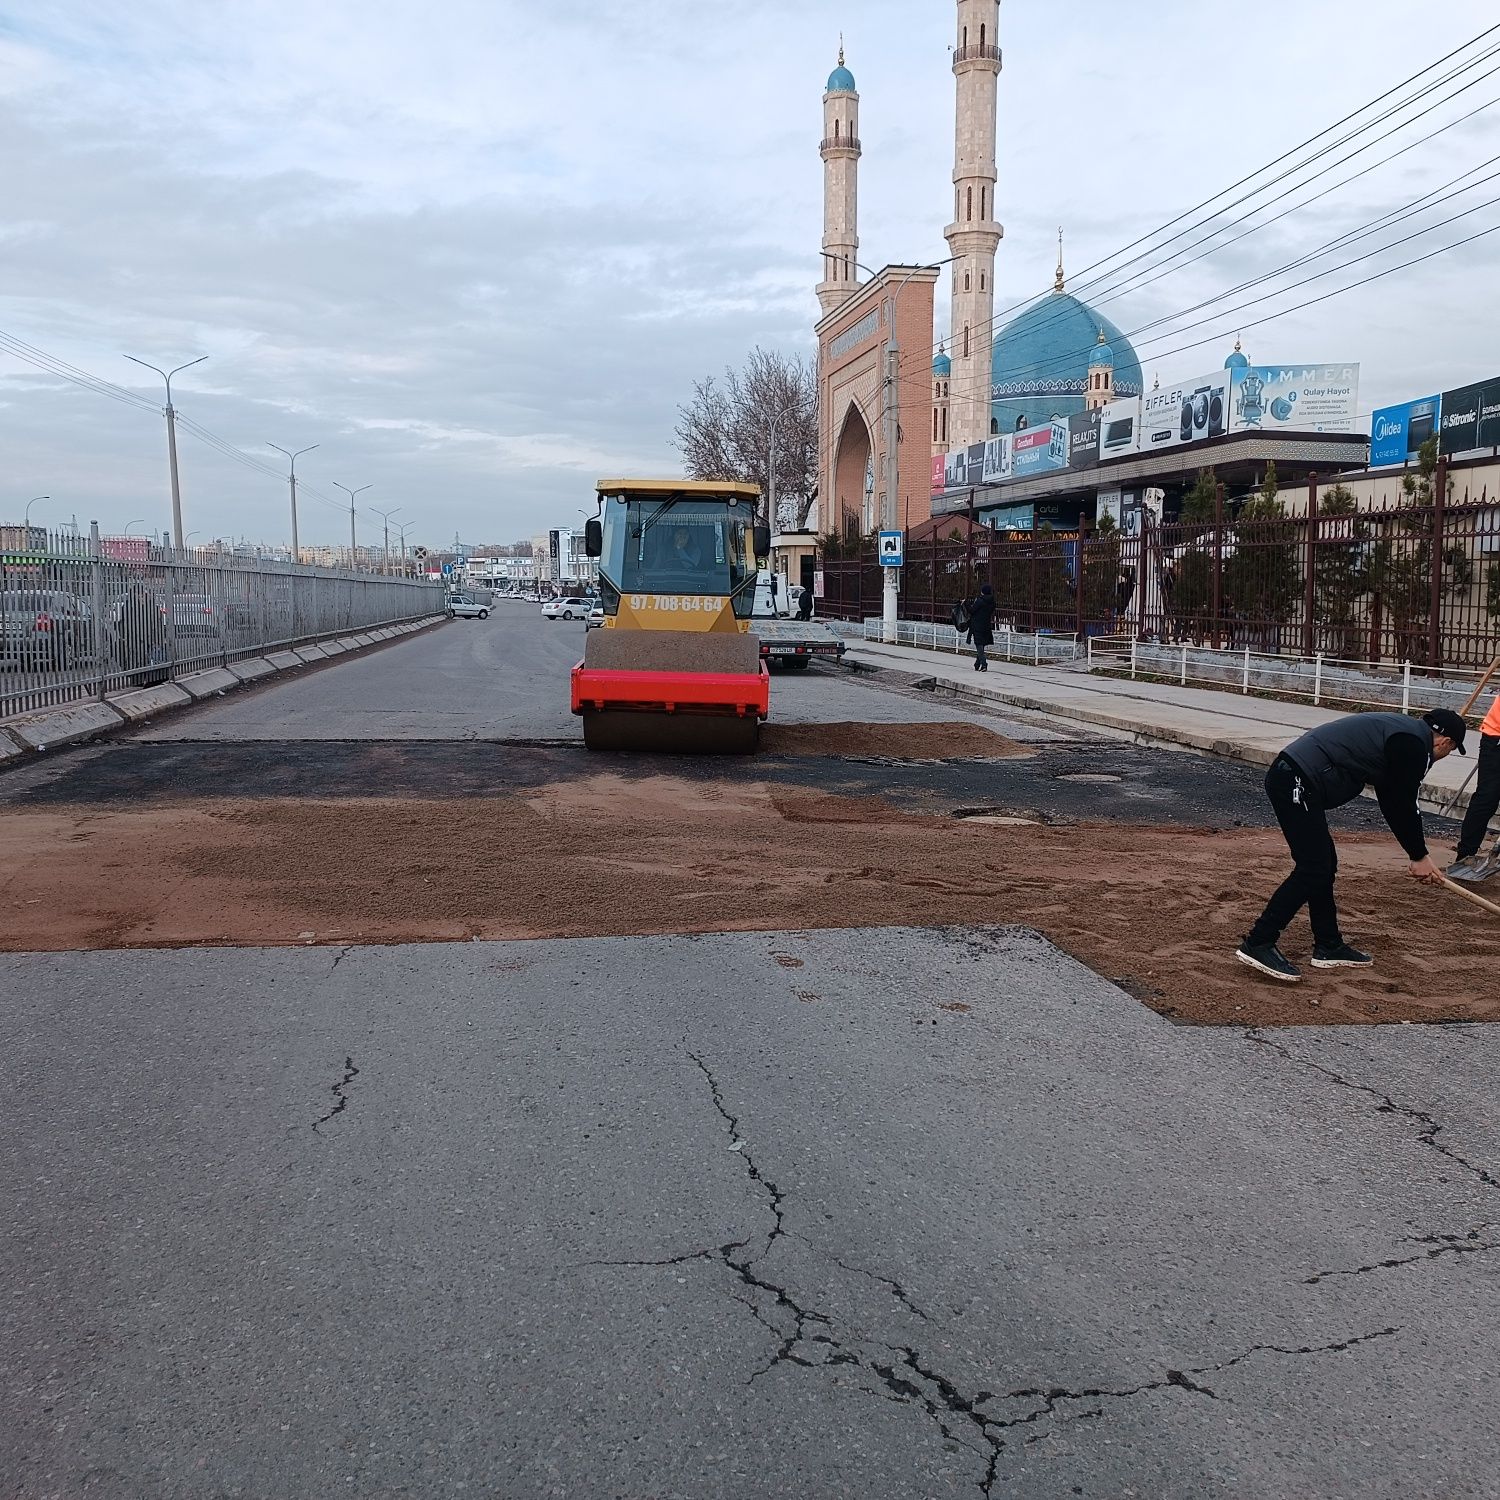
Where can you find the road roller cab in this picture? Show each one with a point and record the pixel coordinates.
(674, 666)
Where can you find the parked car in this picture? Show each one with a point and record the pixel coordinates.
(196, 615)
(596, 616)
(571, 608)
(460, 608)
(44, 628)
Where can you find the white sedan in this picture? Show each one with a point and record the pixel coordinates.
(467, 609)
(567, 609)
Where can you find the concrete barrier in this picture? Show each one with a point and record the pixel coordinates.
(283, 660)
(331, 648)
(252, 669)
(144, 703)
(64, 726)
(9, 748)
(307, 655)
(205, 684)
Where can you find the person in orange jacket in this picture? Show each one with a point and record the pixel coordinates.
(1470, 864)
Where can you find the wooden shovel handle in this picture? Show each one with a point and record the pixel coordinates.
(1483, 683)
(1453, 885)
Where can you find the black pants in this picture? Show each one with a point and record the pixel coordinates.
(981, 645)
(1486, 796)
(1315, 862)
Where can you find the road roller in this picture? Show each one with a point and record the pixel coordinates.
(674, 667)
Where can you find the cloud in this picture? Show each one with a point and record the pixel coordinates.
(480, 255)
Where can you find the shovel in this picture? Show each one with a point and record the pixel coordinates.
(1468, 895)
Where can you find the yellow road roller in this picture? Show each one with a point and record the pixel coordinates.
(674, 667)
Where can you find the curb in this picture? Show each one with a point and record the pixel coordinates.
(74, 723)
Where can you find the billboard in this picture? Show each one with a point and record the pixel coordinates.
(1470, 417)
(997, 460)
(1398, 432)
(1295, 398)
(1187, 412)
(1083, 440)
(939, 472)
(964, 468)
(1119, 428)
(1039, 450)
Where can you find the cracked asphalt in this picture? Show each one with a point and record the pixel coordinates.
(740, 1215)
(905, 1212)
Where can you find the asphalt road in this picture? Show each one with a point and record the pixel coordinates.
(501, 678)
(895, 1212)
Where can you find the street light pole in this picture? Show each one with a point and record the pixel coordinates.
(138, 522)
(167, 375)
(385, 556)
(293, 457)
(403, 529)
(353, 546)
(26, 516)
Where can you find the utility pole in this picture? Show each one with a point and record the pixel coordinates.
(353, 546)
(403, 529)
(385, 556)
(171, 415)
(293, 457)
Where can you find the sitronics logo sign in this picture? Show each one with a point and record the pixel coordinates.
(1471, 417)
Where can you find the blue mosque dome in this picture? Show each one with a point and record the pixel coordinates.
(1237, 360)
(1042, 359)
(941, 364)
(841, 80)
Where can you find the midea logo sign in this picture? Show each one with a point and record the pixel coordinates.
(1388, 427)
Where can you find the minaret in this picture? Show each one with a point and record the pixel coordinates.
(840, 152)
(1101, 380)
(974, 232)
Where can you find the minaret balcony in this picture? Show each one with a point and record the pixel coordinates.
(838, 142)
(977, 54)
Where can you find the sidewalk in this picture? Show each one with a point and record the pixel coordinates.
(1233, 725)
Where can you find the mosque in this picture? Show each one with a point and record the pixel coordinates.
(879, 378)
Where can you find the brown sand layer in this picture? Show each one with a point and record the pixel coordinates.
(1158, 909)
(942, 741)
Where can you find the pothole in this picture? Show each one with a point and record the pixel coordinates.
(1090, 777)
(992, 815)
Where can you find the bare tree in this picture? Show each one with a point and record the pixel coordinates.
(729, 430)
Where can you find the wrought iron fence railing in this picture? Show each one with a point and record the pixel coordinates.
(1401, 583)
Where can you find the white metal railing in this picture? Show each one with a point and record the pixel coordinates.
(1318, 679)
(1040, 648)
(82, 617)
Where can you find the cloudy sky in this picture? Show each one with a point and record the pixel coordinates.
(478, 252)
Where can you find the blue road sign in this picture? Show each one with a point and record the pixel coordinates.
(892, 549)
(447, 570)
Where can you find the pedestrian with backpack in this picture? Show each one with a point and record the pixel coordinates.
(982, 626)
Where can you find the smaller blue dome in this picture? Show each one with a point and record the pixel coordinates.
(941, 364)
(1101, 353)
(840, 81)
(1237, 360)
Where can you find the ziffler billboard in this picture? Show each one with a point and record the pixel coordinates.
(1187, 412)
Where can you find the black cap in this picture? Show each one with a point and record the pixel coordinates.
(1445, 721)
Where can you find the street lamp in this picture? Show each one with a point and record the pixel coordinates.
(385, 556)
(402, 529)
(167, 375)
(129, 524)
(26, 516)
(353, 545)
(293, 457)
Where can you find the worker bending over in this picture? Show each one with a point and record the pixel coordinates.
(1327, 767)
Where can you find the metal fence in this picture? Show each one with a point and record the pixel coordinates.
(83, 618)
(1400, 583)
